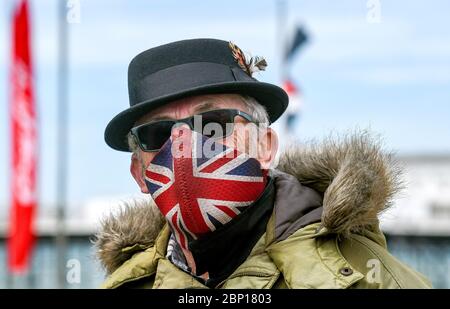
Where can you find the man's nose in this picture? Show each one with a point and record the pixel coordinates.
(181, 141)
(180, 129)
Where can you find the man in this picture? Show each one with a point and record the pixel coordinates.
(221, 215)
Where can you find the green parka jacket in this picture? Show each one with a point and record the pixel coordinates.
(355, 181)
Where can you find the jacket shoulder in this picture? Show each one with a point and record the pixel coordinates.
(314, 258)
(368, 254)
(132, 272)
(139, 269)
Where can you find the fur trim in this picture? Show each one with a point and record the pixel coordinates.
(357, 179)
(134, 226)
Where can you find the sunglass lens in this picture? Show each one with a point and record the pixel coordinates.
(217, 123)
(153, 135)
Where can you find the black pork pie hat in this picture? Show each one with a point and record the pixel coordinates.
(185, 68)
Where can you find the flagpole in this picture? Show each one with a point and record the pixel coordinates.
(281, 41)
(281, 37)
(62, 143)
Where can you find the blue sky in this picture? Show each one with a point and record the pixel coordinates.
(392, 76)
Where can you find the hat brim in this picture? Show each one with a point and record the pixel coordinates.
(272, 97)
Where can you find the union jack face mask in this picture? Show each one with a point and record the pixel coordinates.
(200, 185)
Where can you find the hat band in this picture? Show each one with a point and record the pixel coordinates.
(183, 77)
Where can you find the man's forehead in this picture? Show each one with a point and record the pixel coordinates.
(193, 105)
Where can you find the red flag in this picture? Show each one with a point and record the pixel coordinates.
(23, 144)
(295, 97)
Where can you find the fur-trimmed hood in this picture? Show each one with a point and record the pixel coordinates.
(356, 178)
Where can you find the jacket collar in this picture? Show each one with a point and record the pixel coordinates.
(258, 270)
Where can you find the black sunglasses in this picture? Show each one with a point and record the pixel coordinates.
(152, 136)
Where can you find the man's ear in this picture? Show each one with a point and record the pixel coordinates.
(137, 171)
(267, 147)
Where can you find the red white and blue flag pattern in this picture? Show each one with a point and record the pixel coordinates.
(202, 190)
